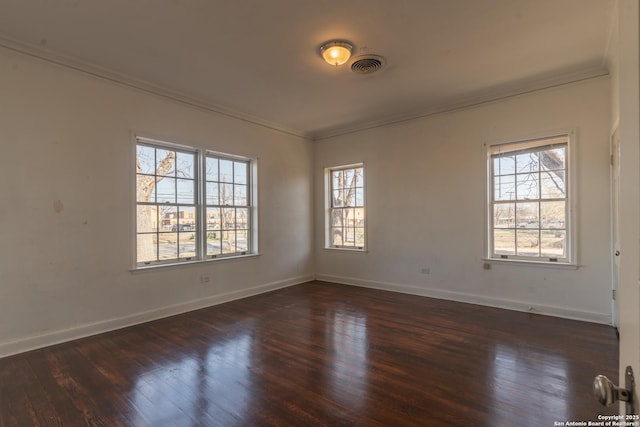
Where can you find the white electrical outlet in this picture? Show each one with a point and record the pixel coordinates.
(204, 279)
(425, 271)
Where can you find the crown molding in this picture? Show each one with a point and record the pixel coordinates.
(102, 73)
(480, 98)
(483, 97)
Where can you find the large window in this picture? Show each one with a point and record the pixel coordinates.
(529, 207)
(191, 204)
(346, 209)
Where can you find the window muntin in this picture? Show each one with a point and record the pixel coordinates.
(190, 204)
(346, 216)
(529, 200)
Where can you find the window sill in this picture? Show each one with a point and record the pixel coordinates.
(140, 269)
(529, 263)
(353, 250)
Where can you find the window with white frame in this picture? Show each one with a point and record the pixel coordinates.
(529, 207)
(191, 204)
(346, 208)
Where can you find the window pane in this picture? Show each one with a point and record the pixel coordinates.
(347, 220)
(213, 219)
(186, 191)
(527, 243)
(212, 169)
(165, 162)
(552, 185)
(168, 246)
(338, 198)
(226, 171)
(228, 242)
(504, 187)
(336, 218)
(349, 235)
(166, 190)
(242, 218)
(228, 218)
(357, 178)
(504, 215)
(359, 232)
(187, 220)
(185, 163)
(146, 219)
(348, 177)
(213, 196)
(145, 188)
(146, 160)
(553, 214)
(226, 194)
(527, 215)
(504, 242)
(553, 159)
(359, 197)
(358, 217)
(553, 243)
(214, 243)
(350, 196)
(527, 162)
(527, 186)
(240, 195)
(337, 180)
(336, 236)
(240, 172)
(146, 248)
(187, 245)
(242, 239)
(168, 217)
(504, 165)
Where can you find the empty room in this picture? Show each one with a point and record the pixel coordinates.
(320, 213)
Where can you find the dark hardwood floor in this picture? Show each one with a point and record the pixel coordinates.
(319, 354)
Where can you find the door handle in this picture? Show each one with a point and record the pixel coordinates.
(607, 393)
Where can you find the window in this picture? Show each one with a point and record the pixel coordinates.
(346, 210)
(191, 204)
(529, 206)
(228, 210)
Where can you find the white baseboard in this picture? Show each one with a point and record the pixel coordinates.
(33, 342)
(549, 310)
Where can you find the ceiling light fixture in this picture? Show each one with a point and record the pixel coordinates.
(336, 52)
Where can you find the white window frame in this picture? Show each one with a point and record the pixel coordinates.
(329, 208)
(200, 204)
(530, 143)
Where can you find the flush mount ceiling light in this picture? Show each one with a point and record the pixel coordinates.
(336, 52)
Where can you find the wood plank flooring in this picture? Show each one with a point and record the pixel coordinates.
(319, 354)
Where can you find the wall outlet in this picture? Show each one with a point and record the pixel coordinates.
(204, 278)
(425, 271)
(486, 266)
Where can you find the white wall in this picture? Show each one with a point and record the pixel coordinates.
(425, 204)
(66, 206)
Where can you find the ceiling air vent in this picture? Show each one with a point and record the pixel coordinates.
(367, 64)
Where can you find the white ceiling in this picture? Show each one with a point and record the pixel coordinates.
(258, 58)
